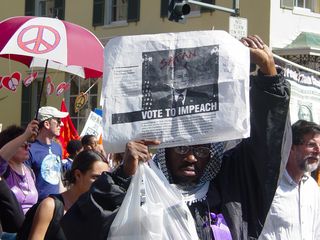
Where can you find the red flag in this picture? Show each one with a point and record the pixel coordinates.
(67, 131)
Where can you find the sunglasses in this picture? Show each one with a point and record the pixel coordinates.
(26, 145)
(58, 120)
(201, 152)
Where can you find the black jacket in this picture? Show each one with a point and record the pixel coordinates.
(242, 191)
(11, 214)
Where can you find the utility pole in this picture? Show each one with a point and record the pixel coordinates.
(235, 11)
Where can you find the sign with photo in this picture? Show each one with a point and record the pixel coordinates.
(179, 88)
(305, 95)
(93, 125)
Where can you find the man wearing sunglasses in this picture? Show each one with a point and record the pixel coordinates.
(46, 153)
(239, 183)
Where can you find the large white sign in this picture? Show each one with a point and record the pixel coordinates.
(305, 95)
(179, 88)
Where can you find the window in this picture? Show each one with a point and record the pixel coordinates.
(29, 8)
(45, 8)
(313, 5)
(108, 12)
(303, 3)
(117, 11)
(79, 85)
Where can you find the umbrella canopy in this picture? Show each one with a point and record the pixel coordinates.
(77, 70)
(67, 46)
(50, 42)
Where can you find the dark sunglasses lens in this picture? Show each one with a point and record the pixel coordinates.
(181, 149)
(201, 151)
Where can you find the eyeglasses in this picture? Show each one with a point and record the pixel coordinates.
(58, 120)
(26, 145)
(201, 152)
(312, 145)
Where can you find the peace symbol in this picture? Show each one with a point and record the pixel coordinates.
(38, 44)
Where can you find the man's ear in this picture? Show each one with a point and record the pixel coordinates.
(293, 148)
(46, 124)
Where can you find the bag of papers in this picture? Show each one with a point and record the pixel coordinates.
(151, 210)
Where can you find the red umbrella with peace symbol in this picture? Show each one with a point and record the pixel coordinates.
(51, 43)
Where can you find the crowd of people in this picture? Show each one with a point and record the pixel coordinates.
(261, 188)
(31, 166)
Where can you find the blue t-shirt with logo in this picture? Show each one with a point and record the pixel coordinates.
(45, 160)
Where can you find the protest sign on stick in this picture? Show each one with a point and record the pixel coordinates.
(93, 125)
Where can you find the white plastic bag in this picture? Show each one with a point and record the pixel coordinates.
(152, 210)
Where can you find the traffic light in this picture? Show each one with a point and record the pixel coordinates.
(177, 9)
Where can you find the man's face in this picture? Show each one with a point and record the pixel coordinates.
(55, 125)
(92, 145)
(187, 163)
(307, 154)
(181, 79)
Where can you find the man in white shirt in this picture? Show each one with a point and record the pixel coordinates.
(295, 210)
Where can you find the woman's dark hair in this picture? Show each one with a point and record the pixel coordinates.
(83, 162)
(9, 134)
(85, 140)
(73, 147)
(302, 128)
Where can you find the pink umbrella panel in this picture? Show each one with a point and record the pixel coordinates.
(51, 43)
(25, 38)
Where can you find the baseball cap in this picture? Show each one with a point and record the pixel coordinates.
(50, 112)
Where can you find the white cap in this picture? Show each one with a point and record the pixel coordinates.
(50, 112)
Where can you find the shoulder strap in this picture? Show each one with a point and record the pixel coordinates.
(58, 203)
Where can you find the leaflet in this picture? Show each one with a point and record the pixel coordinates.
(180, 88)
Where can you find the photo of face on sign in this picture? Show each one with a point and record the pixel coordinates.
(188, 78)
(305, 113)
(186, 91)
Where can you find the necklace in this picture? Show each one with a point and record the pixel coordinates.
(21, 181)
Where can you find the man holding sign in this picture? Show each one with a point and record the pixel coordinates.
(239, 183)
